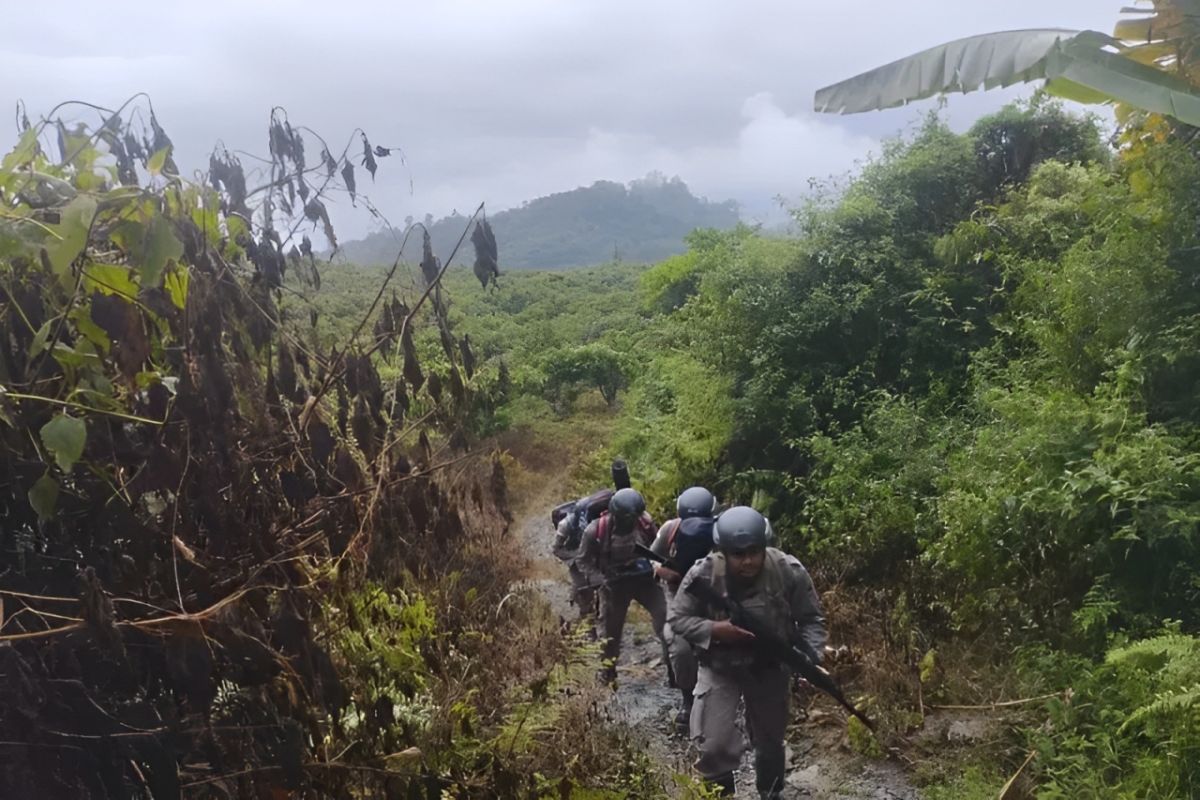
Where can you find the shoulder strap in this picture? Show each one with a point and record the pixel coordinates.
(671, 536)
(776, 568)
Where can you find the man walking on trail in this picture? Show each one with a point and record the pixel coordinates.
(684, 540)
(609, 561)
(570, 520)
(568, 540)
(776, 591)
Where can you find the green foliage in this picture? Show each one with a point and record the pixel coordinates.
(676, 423)
(64, 437)
(592, 366)
(973, 783)
(1131, 728)
(862, 740)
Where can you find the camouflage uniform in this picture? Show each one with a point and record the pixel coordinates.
(783, 599)
(602, 557)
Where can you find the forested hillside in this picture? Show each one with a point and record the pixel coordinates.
(257, 529)
(643, 222)
(965, 396)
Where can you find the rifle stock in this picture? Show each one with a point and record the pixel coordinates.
(771, 645)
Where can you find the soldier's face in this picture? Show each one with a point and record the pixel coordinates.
(746, 564)
(623, 524)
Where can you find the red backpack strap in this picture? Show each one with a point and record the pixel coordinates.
(671, 536)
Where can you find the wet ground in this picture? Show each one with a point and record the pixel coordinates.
(821, 764)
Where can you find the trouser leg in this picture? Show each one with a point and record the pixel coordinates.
(614, 604)
(650, 596)
(584, 596)
(683, 668)
(766, 694)
(714, 725)
(683, 661)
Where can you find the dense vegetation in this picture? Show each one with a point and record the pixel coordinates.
(973, 381)
(967, 390)
(247, 553)
(965, 395)
(643, 222)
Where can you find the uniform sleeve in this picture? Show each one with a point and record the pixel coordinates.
(562, 538)
(660, 541)
(688, 615)
(806, 610)
(589, 555)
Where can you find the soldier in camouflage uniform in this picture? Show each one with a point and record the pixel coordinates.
(609, 562)
(777, 591)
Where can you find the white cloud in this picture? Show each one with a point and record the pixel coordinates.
(506, 101)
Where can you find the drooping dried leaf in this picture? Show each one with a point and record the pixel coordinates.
(447, 339)
(457, 390)
(434, 387)
(163, 142)
(134, 147)
(330, 163)
(348, 179)
(120, 319)
(353, 373)
(412, 368)
(468, 355)
(343, 409)
(364, 428)
(368, 157)
(315, 211)
(320, 439)
(487, 267)
(126, 166)
(297, 142)
(430, 265)
(399, 398)
(287, 372)
(426, 447)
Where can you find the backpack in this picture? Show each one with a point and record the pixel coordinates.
(690, 540)
(582, 511)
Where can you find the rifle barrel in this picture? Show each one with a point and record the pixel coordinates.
(775, 647)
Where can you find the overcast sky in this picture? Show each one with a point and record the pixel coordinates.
(507, 100)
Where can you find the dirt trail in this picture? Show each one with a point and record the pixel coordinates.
(821, 767)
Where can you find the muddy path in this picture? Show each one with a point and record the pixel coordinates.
(821, 764)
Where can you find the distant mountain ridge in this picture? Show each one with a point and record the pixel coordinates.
(645, 221)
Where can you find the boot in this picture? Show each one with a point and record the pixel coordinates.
(684, 718)
(769, 765)
(724, 783)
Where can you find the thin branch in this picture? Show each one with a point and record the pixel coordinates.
(4, 393)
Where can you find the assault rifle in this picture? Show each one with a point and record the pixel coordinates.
(765, 641)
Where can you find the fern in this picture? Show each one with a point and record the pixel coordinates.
(1168, 707)
(1172, 662)
(1167, 652)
